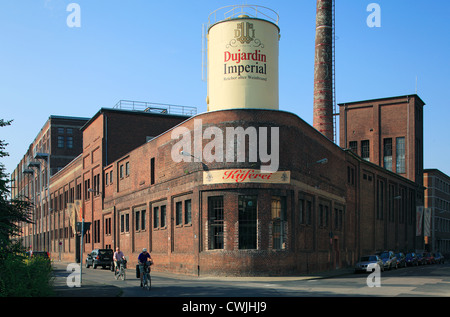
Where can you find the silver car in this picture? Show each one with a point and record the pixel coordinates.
(368, 263)
(389, 259)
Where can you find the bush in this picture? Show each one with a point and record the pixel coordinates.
(22, 277)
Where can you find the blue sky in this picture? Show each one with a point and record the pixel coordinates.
(149, 50)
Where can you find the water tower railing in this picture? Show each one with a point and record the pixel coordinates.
(253, 11)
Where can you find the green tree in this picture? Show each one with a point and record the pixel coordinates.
(19, 276)
(12, 211)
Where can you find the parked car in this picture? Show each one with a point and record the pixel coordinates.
(428, 258)
(401, 259)
(438, 257)
(412, 259)
(368, 263)
(100, 257)
(389, 259)
(420, 259)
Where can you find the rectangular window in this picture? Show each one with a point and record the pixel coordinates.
(320, 215)
(400, 153)
(391, 203)
(152, 171)
(215, 222)
(187, 212)
(96, 231)
(96, 184)
(87, 186)
(323, 215)
(353, 145)
(69, 141)
(178, 213)
(163, 216)
(143, 219)
(301, 211)
(387, 154)
(308, 212)
(127, 169)
(155, 217)
(338, 218)
(121, 171)
(107, 227)
(278, 210)
(365, 150)
(247, 222)
(78, 192)
(137, 219)
(419, 157)
(60, 141)
(380, 199)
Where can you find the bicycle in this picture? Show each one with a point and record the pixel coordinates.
(146, 278)
(120, 270)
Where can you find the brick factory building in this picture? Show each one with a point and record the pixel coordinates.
(242, 189)
(387, 132)
(56, 145)
(437, 199)
(322, 209)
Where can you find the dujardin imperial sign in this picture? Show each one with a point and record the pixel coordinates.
(243, 64)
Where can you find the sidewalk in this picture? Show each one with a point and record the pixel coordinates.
(88, 288)
(300, 277)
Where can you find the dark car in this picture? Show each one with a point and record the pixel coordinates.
(420, 259)
(412, 259)
(100, 257)
(389, 259)
(438, 258)
(401, 259)
(428, 258)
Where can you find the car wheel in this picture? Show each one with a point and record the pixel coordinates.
(94, 266)
(87, 265)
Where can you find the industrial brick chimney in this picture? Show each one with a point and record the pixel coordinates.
(323, 69)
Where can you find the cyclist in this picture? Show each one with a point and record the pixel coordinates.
(142, 259)
(118, 256)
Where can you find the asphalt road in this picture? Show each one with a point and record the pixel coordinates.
(422, 281)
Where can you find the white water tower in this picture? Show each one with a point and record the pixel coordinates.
(242, 56)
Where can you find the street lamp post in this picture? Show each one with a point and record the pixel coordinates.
(321, 161)
(189, 154)
(46, 157)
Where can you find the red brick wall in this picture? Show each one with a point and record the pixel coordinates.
(184, 248)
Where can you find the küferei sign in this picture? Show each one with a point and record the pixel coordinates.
(245, 176)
